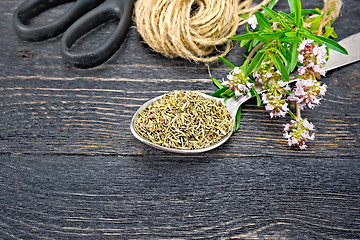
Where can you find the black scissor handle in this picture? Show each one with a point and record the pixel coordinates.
(110, 9)
(31, 8)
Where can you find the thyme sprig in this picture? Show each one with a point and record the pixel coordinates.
(278, 43)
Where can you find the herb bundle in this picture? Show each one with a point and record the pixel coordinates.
(279, 43)
(184, 120)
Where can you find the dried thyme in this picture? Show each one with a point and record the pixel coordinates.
(184, 120)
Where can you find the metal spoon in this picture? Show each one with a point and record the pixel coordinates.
(336, 60)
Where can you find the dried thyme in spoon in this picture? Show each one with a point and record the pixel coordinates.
(184, 120)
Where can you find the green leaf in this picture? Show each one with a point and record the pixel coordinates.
(333, 34)
(271, 36)
(285, 25)
(291, 34)
(271, 13)
(246, 36)
(255, 63)
(315, 23)
(300, 25)
(217, 83)
(310, 12)
(308, 32)
(294, 57)
(285, 50)
(333, 45)
(244, 42)
(245, 16)
(282, 56)
(237, 119)
(248, 48)
(297, 11)
(278, 64)
(286, 16)
(231, 94)
(272, 4)
(328, 32)
(307, 12)
(227, 92)
(291, 5)
(258, 99)
(227, 62)
(262, 20)
(313, 37)
(292, 114)
(219, 92)
(260, 38)
(291, 40)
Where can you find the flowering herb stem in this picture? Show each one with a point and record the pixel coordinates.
(278, 44)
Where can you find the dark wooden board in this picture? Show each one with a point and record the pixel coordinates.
(70, 168)
(108, 197)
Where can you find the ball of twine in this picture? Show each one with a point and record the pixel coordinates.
(191, 29)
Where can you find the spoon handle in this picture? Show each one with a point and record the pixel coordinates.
(336, 59)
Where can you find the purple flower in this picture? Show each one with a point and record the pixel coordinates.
(236, 70)
(308, 125)
(275, 25)
(304, 44)
(230, 76)
(275, 104)
(253, 21)
(308, 92)
(313, 57)
(284, 85)
(237, 82)
(298, 132)
(268, 75)
(269, 107)
(300, 58)
(256, 75)
(323, 89)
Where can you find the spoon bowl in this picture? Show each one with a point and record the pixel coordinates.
(176, 150)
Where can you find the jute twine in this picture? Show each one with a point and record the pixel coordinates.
(193, 29)
(331, 11)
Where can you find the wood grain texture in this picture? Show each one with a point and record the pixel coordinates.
(111, 197)
(70, 168)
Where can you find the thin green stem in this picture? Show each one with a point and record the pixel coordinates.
(292, 114)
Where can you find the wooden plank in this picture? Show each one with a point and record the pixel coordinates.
(105, 197)
(70, 168)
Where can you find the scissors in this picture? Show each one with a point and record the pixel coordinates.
(82, 17)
